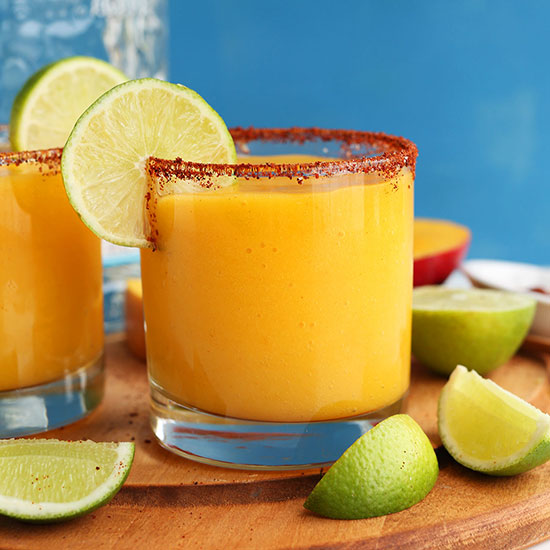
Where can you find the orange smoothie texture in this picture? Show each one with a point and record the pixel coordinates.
(51, 320)
(276, 301)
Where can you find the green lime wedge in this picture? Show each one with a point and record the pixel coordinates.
(50, 102)
(488, 429)
(390, 468)
(480, 329)
(103, 162)
(46, 480)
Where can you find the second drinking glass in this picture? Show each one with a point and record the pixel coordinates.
(51, 322)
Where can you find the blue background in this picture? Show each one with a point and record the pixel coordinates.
(467, 81)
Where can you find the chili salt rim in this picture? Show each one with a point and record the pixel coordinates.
(48, 157)
(396, 153)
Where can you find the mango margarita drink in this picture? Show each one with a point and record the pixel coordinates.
(282, 300)
(50, 276)
(276, 295)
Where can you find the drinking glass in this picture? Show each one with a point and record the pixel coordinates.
(51, 324)
(277, 296)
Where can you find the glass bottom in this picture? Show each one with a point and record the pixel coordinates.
(40, 408)
(254, 445)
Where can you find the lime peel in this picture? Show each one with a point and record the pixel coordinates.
(478, 328)
(27, 461)
(390, 468)
(489, 429)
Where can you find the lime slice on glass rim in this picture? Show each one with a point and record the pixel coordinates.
(50, 102)
(103, 162)
(388, 469)
(488, 429)
(47, 480)
(478, 328)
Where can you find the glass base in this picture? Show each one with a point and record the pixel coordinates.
(40, 408)
(254, 445)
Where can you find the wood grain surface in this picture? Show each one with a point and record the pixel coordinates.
(169, 502)
(536, 342)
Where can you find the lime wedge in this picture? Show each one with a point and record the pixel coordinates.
(46, 480)
(390, 468)
(104, 160)
(488, 429)
(480, 329)
(50, 102)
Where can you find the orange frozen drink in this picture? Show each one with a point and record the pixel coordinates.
(51, 323)
(283, 300)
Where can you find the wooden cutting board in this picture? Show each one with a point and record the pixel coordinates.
(169, 502)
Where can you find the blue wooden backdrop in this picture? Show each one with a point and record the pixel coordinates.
(468, 81)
